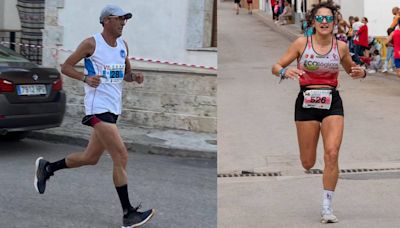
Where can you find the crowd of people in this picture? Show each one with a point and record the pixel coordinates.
(364, 48)
(282, 11)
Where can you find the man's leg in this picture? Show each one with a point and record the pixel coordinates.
(45, 169)
(112, 141)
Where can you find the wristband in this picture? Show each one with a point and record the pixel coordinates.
(365, 74)
(282, 73)
(84, 78)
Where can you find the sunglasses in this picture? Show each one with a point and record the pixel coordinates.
(119, 18)
(320, 18)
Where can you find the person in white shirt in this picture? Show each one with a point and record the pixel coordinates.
(107, 65)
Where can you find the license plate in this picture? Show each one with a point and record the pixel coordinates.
(29, 90)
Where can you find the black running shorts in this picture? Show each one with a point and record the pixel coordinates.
(91, 120)
(306, 114)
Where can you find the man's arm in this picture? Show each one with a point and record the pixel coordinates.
(86, 48)
(129, 76)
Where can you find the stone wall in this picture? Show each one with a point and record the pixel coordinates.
(168, 98)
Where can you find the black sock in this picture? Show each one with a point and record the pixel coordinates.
(52, 167)
(124, 198)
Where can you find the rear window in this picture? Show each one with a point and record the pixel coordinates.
(8, 55)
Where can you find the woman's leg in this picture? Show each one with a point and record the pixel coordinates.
(332, 134)
(307, 135)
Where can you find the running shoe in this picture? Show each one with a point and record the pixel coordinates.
(327, 216)
(384, 71)
(41, 175)
(134, 218)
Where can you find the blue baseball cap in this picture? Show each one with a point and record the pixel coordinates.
(113, 10)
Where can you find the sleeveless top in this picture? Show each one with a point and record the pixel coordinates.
(109, 62)
(319, 69)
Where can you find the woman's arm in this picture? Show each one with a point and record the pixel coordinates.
(290, 55)
(349, 66)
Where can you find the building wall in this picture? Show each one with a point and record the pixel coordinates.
(379, 13)
(175, 99)
(9, 19)
(379, 16)
(170, 97)
(158, 29)
(352, 8)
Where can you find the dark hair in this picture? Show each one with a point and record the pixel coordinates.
(376, 52)
(329, 5)
(389, 31)
(366, 19)
(356, 19)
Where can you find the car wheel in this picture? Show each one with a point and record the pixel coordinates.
(14, 136)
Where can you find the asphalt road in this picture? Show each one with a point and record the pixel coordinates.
(182, 190)
(256, 133)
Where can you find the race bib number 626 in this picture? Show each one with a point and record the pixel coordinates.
(320, 99)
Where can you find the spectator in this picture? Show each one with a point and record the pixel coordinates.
(395, 37)
(375, 62)
(286, 14)
(373, 44)
(306, 26)
(389, 54)
(342, 28)
(250, 6)
(275, 9)
(350, 34)
(237, 6)
(396, 18)
(360, 40)
(356, 25)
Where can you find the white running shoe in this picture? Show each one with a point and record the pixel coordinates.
(327, 216)
(384, 71)
(371, 71)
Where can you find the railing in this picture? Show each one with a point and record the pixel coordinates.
(25, 47)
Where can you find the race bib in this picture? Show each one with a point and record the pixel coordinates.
(113, 73)
(320, 99)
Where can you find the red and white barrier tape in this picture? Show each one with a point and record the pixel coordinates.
(132, 58)
(171, 63)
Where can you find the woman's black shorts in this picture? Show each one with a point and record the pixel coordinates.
(91, 120)
(305, 114)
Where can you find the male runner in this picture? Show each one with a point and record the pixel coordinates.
(106, 66)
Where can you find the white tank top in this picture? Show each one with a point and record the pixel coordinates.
(110, 63)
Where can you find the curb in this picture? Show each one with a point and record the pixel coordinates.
(284, 30)
(132, 147)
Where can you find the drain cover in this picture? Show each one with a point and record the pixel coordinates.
(319, 171)
(251, 174)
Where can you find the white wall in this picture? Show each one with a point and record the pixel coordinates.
(156, 31)
(9, 19)
(379, 15)
(351, 8)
